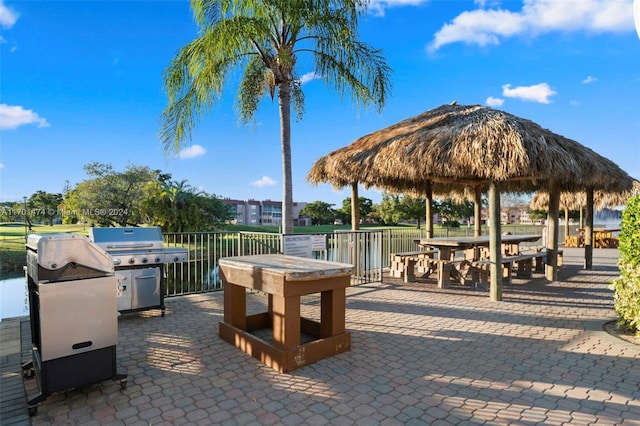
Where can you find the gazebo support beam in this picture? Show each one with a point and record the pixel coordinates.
(551, 271)
(566, 224)
(355, 207)
(428, 207)
(588, 231)
(477, 211)
(495, 243)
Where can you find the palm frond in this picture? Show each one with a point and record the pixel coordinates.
(196, 77)
(256, 80)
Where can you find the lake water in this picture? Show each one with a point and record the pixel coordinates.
(14, 301)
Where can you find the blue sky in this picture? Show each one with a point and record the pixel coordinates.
(81, 81)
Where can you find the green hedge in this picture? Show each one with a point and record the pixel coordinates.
(627, 286)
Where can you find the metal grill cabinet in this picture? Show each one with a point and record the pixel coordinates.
(73, 316)
(139, 256)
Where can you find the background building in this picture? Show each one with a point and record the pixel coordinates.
(266, 212)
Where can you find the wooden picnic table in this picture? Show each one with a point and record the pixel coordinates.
(602, 238)
(285, 279)
(447, 246)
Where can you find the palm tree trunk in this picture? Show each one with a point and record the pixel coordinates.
(284, 102)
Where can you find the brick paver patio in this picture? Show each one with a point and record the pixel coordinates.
(419, 355)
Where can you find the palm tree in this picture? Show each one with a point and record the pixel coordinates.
(264, 38)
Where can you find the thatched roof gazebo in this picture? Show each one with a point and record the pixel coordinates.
(471, 147)
(578, 201)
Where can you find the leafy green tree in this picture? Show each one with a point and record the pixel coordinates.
(389, 209)
(365, 205)
(452, 211)
(321, 213)
(44, 206)
(537, 214)
(413, 208)
(10, 210)
(178, 207)
(264, 38)
(110, 197)
(375, 214)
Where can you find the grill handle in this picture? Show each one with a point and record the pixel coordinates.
(82, 345)
(129, 246)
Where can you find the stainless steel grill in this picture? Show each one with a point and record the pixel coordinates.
(139, 256)
(73, 317)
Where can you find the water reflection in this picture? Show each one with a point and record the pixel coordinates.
(14, 301)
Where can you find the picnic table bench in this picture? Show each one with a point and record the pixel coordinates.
(524, 263)
(404, 264)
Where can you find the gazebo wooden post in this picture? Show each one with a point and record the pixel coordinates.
(495, 243)
(566, 224)
(551, 271)
(588, 231)
(428, 207)
(355, 207)
(477, 211)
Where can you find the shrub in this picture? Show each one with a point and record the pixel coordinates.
(627, 285)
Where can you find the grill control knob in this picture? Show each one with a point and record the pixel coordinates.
(176, 259)
(157, 260)
(132, 260)
(144, 260)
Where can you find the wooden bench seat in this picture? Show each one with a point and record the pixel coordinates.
(405, 264)
(524, 263)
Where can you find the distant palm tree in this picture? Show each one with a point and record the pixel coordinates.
(264, 37)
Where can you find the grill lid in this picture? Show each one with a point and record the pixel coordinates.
(120, 239)
(136, 246)
(65, 256)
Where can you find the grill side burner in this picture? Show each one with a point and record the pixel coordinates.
(139, 256)
(73, 317)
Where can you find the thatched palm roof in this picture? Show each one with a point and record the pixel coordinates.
(578, 200)
(568, 200)
(456, 146)
(612, 199)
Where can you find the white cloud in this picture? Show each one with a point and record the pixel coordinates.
(12, 117)
(7, 16)
(573, 102)
(589, 79)
(309, 77)
(491, 101)
(264, 181)
(489, 26)
(1, 166)
(636, 16)
(536, 93)
(379, 7)
(192, 151)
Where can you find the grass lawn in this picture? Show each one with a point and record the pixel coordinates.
(12, 240)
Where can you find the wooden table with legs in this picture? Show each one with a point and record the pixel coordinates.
(447, 246)
(285, 279)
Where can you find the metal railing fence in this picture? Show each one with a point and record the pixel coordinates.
(362, 249)
(369, 251)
